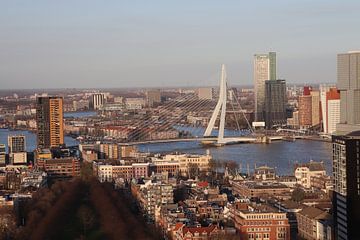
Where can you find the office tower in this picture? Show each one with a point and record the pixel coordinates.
(324, 88)
(49, 118)
(332, 110)
(205, 93)
(153, 97)
(264, 69)
(2, 155)
(346, 197)
(305, 111)
(315, 108)
(275, 103)
(348, 74)
(16, 144)
(97, 100)
(309, 108)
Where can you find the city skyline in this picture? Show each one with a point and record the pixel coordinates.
(63, 45)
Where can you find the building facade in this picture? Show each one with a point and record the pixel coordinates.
(264, 69)
(260, 222)
(348, 82)
(2, 154)
(50, 122)
(97, 100)
(16, 143)
(205, 93)
(346, 177)
(275, 103)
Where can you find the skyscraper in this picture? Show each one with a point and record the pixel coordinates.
(49, 118)
(346, 174)
(97, 100)
(305, 103)
(348, 73)
(324, 88)
(275, 103)
(264, 69)
(153, 97)
(315, 108)
(346, 149)
(332, 105)
(2, 154)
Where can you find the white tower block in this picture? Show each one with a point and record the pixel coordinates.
(221, 105)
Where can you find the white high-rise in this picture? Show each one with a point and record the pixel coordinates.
(98, 100)
(264, 69)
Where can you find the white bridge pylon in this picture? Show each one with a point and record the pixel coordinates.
(219, 109)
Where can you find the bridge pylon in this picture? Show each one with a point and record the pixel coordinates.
(220, 108)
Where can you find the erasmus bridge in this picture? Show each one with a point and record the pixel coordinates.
(158, 127)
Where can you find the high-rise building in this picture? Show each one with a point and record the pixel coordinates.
(348, 74)
(2, 154)
(315, 108)
(50, 125)
(309, 108)
(97, 100)
(346, 149)
(264, 69)
(346, 175)
(305, 103)
(153, 97)
(332, 105)
(205, 93)
(275, 103)
(324, 88)
(16, 143)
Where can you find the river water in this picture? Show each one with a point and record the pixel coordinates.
(281, 155)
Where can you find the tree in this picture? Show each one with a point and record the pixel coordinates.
(193, 170)
(87, 218)
(298, 194)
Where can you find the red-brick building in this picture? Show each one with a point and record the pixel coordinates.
(260, 222)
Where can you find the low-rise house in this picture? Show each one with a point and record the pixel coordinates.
(313, 224)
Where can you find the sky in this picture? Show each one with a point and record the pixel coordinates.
(165, 43)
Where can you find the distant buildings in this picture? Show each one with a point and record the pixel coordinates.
(309, 108)
(264, 69)
(17, 150)
(2, 154)
(16, 143)
(275, 103)
(153, 97)
(97, 101)
(332, 111)
(50, 122)
(205, 93)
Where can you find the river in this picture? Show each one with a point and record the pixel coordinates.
(281, 155)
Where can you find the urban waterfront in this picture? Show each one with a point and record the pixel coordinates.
(282, 155)
(30, 138)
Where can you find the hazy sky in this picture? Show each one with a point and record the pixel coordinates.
(85, 43)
